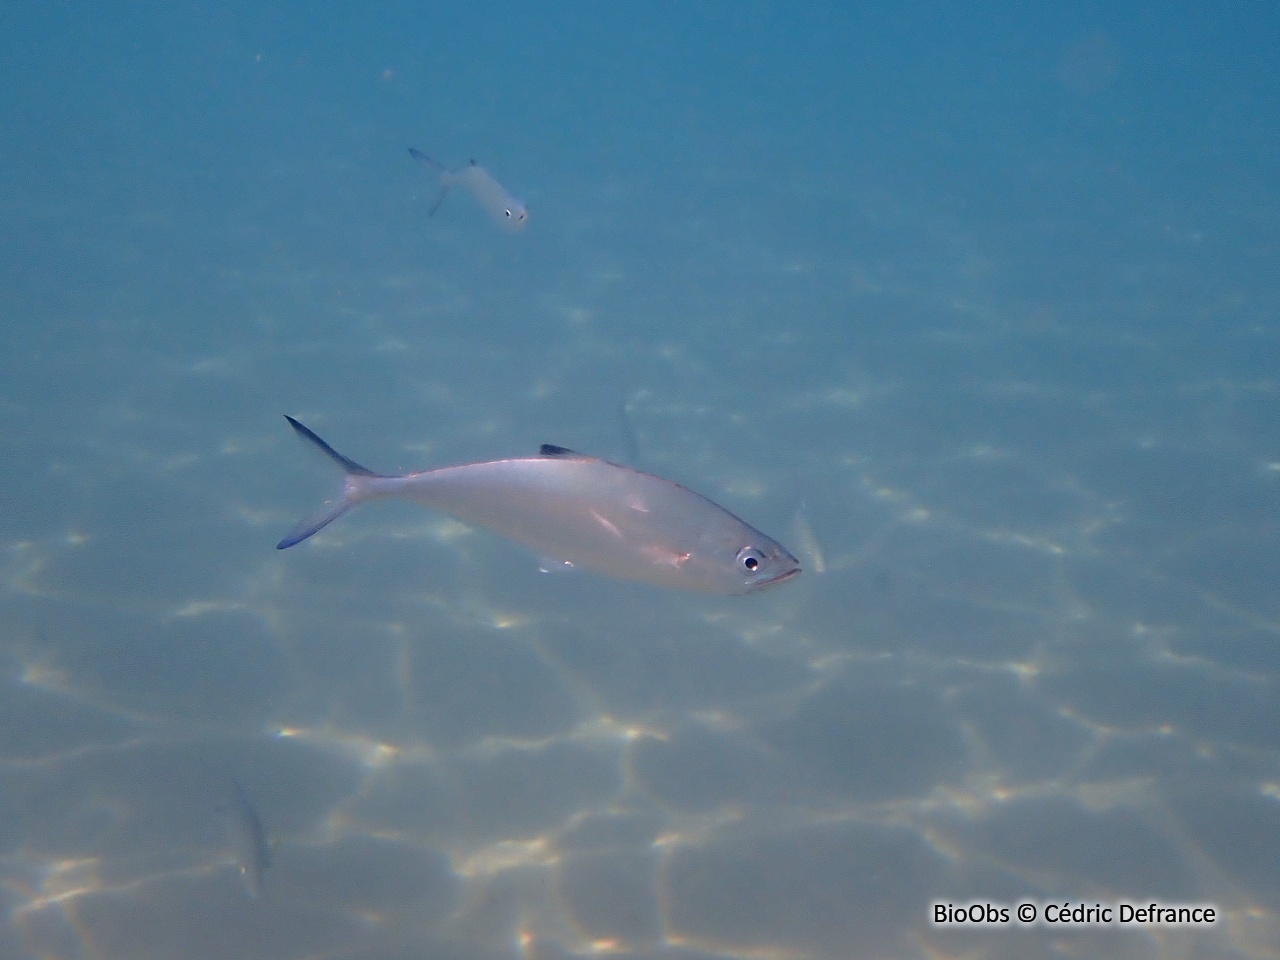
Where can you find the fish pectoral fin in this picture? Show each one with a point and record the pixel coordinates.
(555, 565)
(670, 558)
(607, 524)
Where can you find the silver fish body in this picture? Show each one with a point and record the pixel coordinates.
(582, 512)
(507, 211)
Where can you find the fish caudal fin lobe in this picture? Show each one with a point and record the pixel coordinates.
(439, 168)
(444, 192)
(330, 512)
(346, 463)
(423, 159)
(333, 509)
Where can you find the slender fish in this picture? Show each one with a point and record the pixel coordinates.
(510, 213)
(577, 511)
(253, 853)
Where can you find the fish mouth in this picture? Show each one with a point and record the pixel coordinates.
(778, 579)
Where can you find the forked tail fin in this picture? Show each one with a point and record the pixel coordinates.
(446, 178)
(332, 509)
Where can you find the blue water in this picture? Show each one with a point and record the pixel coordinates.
(991, 290)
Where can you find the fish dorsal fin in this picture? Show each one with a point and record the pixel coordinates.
(551, 450)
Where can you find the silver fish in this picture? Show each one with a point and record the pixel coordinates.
(510, 213)
(253, 853)
(577, 511)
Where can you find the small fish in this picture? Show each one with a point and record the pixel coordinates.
(577, 511)
(253, 853)
(510, 213)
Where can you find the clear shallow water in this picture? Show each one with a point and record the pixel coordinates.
(995, 297)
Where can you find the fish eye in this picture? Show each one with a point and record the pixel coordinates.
(749, 559)
(508, 213)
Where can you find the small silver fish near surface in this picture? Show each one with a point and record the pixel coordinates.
(510, 213)
(576, 511)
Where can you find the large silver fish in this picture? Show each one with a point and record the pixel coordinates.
(577, 511)
(510, 213)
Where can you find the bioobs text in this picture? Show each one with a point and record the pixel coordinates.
(1070, 912)
(974, 913)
